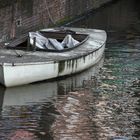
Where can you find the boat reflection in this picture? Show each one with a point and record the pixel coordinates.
(29, 94)
(31, 110)
(42, 92)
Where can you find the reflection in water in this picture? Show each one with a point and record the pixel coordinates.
(136, 88)
(122, 15)
(115, 111)
(93, 105)
(30, 110)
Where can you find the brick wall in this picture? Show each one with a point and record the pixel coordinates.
(18, 17)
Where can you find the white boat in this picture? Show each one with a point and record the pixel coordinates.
(19, 66)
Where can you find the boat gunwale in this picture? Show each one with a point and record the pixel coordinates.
(10, 47)
(52, 61)
(67, 49)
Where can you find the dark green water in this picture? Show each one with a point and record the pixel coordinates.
(107, 105)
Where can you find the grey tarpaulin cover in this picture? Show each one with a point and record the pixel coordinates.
(47, 43)
(69, 41)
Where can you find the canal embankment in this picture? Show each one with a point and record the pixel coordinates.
(20, 17)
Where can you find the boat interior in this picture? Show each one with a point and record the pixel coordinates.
(23, 43)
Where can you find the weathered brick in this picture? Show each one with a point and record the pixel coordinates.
(20, 17)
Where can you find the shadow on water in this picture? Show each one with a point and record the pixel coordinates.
(77, 107)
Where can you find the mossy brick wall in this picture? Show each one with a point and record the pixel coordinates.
(18, 17)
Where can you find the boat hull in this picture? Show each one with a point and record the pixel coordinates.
(38, 66)
(20, 74)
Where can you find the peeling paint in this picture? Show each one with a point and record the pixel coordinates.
(84, 58)
(73, 62)
(61, 66)
(69, 64)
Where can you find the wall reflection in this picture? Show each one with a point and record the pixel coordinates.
(121, 15)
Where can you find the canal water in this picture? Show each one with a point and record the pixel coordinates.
(101, 103)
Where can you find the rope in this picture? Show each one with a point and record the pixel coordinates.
(49, 14)
(48, 11)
